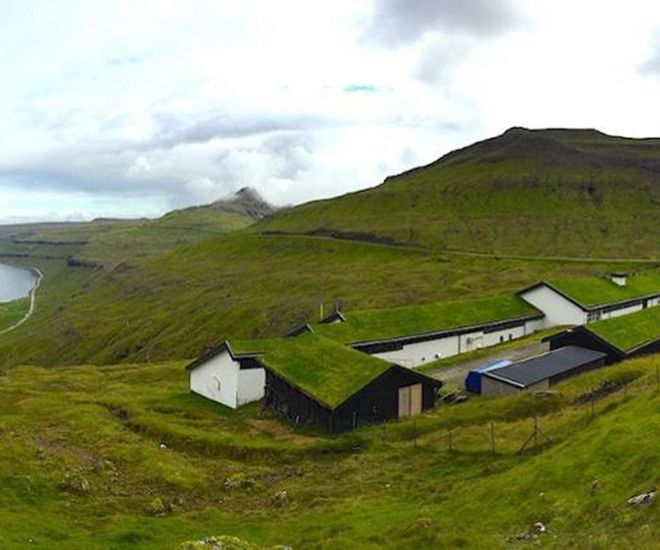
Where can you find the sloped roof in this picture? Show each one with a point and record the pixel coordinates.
(591, 292)
(535, 369)
(323, 369)
(400, 322)
(627, 332)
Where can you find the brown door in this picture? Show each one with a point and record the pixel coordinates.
(410, 400)
(415, 399)
(404, 402)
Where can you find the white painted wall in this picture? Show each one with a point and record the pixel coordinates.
(221, 379)
(413, 355)
(622, 311)
(217, 379)
(557, 309)
(251, 385)
(491, 387)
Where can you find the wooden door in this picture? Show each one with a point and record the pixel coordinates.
(415, 399)
(404, 402)
(410, 400)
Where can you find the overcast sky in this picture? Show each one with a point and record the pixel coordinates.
(133, 108)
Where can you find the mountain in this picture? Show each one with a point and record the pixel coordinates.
(244, 205)
(169, 288)
(104, 241)
(560, 192)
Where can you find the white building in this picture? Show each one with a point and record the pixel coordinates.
(227, 377)
(567, 305)
(415, 350)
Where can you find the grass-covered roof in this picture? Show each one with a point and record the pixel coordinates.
(595, 291)
(381, 324)
(627, 332)
(325, 370)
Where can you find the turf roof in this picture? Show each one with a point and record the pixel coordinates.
(381, 324)
(594, 291)
(627, 332)
(322, 368)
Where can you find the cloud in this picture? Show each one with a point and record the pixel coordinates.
(651, 65)
(400, 22)
(175, 129)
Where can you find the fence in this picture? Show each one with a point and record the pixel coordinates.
(517, 436)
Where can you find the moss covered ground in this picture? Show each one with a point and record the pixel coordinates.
(123, 457)
(12, 312)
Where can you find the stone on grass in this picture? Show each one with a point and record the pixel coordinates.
(643, 499)
(157, 508)
(279, 499)
(239, 481)
(532, 533)
(74, 482)
(223, 542)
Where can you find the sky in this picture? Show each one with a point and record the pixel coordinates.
(134, 108)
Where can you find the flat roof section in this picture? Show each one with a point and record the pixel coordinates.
(533, 370)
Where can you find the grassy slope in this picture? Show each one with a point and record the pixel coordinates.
(352, 491)
(416, 319)
(593, 291)
(571, 193)
(12, 312)
(629, 331)
(175, 304)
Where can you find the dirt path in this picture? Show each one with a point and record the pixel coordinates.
(33, 295)
(455, 376)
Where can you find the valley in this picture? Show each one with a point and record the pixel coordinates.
(103, 442)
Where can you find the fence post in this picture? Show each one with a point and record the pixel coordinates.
(492, 437)
(593, 406)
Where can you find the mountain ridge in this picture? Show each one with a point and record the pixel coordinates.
(536, 192)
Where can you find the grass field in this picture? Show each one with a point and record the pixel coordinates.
(12, 312)
(175, 304)
(135, 435)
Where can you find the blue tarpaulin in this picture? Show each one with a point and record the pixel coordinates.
(473, 379)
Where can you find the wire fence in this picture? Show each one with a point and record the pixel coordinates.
(530, 432)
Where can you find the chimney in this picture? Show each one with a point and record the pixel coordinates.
(619, 278)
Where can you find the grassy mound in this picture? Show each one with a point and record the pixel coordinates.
(124, 457)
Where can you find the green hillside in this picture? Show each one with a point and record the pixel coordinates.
(124, 457)
(575, 193)
(12, 312)
(142, 290)
(176, 303)
(107, 242)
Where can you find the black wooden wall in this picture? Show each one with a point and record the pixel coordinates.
(376, 402)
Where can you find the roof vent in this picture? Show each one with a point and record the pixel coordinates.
(619, 278)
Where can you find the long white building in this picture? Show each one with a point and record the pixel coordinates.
(583, 300)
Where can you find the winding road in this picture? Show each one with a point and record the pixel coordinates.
(33, 295)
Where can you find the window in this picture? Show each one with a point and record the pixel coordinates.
(510, 337)
(501, 339)
(594, 315)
